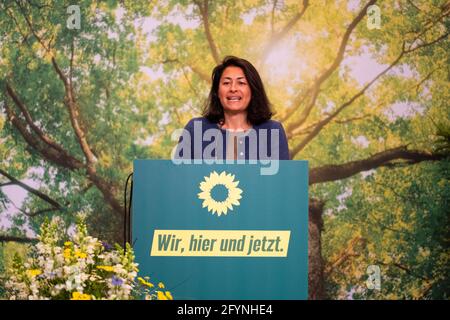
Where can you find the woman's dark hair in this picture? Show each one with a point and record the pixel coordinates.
(259, 108)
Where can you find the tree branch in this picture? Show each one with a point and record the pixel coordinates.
(24, 36)
(277, 37)
(38, 212)
(7, 184)
(413, 5)
(72, 49)
(402, 267)
(329, 173)
(194, 69)
(194, 91)
(31, 190)
(30, 121)
(33, 214)
(404, 198)
(352, 250)
(203, 7)
(72, 106)
(39, 39)
(272, 20)
(426, 44)
(427, 77)
(328, 119)
(4, 238)
(315, 88)
(325, 121)
(22, 106)
(309, 128)
(51, 154)
(200, 73)
(428, 25)
(107, 189)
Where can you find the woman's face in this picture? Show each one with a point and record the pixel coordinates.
(234, 90)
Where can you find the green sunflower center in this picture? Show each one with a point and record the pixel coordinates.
(219, 193)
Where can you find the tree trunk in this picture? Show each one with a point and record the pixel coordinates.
(316, 287)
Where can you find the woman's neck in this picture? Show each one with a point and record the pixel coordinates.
(236, 122)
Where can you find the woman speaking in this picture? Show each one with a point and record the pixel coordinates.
(236, 122)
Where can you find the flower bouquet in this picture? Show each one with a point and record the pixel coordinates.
(78, 267)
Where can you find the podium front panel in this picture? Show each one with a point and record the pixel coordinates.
(222, 231)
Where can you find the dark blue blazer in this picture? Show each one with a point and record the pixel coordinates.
(244, 152)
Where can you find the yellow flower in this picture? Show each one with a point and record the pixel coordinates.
(161, 295)
(106, 268)
(146, 283)
(164, 295)
(67, 243)
(169, 295)
(80, 296)
(67, 253)
(33, 273)
(161, 285)
(80, 254)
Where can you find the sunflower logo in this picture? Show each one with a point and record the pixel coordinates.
(219, 192)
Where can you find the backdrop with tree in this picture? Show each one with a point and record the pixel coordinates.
(367, 107)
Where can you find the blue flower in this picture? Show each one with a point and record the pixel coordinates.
(116, 281)
(106, 245)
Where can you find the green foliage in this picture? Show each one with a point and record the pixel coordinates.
(8, 251)
(409, 242)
